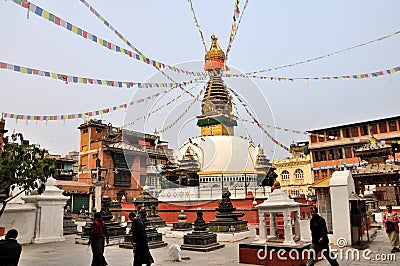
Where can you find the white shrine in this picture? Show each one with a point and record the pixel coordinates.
(279, 202)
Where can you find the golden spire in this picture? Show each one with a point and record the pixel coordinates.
(215, 50)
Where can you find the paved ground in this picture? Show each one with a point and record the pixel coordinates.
(68, 253)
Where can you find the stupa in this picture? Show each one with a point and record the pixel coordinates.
(224, 160)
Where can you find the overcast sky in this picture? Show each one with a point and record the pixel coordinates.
(271, 34)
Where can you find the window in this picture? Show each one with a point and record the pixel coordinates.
(324, 174)
(321, 137)
(313, 138)
(392, 126)
(381, 195)
(348, 153)
(382, 127)
(85, 130)
(364, 130)
(347, 132)
(316, 156)
(143, 161)
(331, 154)
(322, 155)
(298, 174)
(374, 129)
(332, 134)
(339, 153)
(285, 175)
(95, 156)
(99, 130)
(122, 178)
(354, 132)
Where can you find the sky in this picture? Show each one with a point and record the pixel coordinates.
(271, 34)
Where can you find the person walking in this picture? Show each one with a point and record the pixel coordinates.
(97, 239)
(141, 250)
(10, 249)
(391, 222)
(319, 239)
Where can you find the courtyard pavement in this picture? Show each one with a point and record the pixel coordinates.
(70, 254)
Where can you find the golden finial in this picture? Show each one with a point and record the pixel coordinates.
(215, 50)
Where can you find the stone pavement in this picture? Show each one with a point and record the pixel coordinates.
(71, 254)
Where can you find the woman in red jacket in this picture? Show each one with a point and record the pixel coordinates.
(391, 222)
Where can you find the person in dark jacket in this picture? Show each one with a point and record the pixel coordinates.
(10, 249)
(141, 250)
(97, 239)
(319, 239)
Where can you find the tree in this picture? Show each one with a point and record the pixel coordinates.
(23, 165)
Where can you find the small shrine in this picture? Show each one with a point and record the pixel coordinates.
(200, 239)
(182, 224)
(154, 238)
(227, 220)
(278, 202)
(69, 225)
(150, 204)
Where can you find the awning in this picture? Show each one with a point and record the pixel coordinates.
(74, 187)
(324, 183)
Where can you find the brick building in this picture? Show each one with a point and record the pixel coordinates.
(337, 148)
(123, 159)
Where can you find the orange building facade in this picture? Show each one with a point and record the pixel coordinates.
(118, 158)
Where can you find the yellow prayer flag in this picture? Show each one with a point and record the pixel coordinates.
(45, 14)
(54, 75)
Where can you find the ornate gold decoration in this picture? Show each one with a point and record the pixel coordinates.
(215, 50)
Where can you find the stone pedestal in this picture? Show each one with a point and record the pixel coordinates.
(228, 224)
(182, 224)
(69, 225)
(49, 213)
(200, 239)
(154, 238)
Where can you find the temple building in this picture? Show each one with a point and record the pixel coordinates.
(369, 149)
(294, 172)
(219, 159)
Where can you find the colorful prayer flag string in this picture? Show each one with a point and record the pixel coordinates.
(324, 56)
(156, 110)
(87, 35)
(257, 122)
(237, 16)
(90, 113)
(127, 42)
(353, 76)
(197, 25)
(91, 81)
(180, 116)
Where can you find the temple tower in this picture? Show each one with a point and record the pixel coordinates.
(216, 117)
